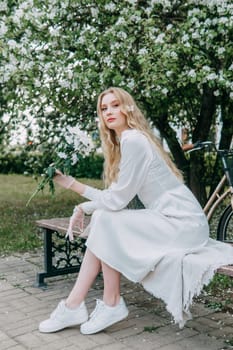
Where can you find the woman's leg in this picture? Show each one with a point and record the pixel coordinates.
(89, 270)
(111, 278)
(112, 309)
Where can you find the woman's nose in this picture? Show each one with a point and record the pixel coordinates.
(109, 110)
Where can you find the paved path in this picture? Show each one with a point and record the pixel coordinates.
(148, 326)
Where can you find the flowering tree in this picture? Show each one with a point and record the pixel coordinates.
(175, 57)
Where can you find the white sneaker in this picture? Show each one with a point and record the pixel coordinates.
(63, 317)
(104, 316)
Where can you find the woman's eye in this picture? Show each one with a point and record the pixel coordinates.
(116, 105)
(103, 109)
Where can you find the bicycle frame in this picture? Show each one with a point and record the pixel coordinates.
(216, 198)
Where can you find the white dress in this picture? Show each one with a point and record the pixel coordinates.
(166, 246)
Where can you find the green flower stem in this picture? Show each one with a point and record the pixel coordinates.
(48, 179)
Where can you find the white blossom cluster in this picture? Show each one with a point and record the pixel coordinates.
(76, 142)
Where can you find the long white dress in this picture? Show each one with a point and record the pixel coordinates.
(166, 246)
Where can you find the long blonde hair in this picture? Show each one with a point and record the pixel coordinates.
(110, 142)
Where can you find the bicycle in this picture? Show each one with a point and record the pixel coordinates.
(222, 192)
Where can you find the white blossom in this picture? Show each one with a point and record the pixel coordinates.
(3, 29)
(173, 54)
(110, 7)
(37, 83)
(221, 50)
(135, 18)
(164, 91)
(206, 68)
(223, 20)
(122, 35)
(195, 35)
(211, 76)
(143, 51)
(62, 155)
(107, 60)
(12, 43)
(131, 83)
(169, 73)
(64, 83)
(52, 14)
(3, 6)
(19, 13)
(94, 12)
(216, 93)
(132, 2)
(169, 27)
(54, 32)
(192, 73)
(120, 21)
(148, 11)
(160, 38)
(74, 158)
(185, 38)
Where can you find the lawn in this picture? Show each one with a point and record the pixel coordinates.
(18, 232)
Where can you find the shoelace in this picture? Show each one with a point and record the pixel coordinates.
(57, 311)
(99, 306)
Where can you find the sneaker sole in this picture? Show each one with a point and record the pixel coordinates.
(106, 326)
(61, 327)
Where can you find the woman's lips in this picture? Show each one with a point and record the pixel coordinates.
(109, 120)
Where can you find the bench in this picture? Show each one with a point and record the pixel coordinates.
(63, 257)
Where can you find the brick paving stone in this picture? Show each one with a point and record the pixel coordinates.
(148, 326)
(7, 344)
(15, 347)
(113, 346)
(28, 340)
(198, 342)
(224, 318)
(224, 332)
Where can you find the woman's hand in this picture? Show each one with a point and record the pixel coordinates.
(63, 180)
(77, 219)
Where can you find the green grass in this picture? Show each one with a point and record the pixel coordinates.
(18, 232)
(219, 293)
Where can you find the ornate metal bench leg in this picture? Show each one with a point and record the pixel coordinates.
(48, 258)
(61, 257)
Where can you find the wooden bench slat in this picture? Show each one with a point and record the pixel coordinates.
(60, 224)
(226, 270)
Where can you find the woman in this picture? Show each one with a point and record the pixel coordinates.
(165, 246)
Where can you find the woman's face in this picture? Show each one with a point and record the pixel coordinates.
(113, 118)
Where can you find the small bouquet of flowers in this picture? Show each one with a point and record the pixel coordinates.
(74, 143)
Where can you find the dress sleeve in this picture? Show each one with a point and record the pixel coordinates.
(136, 157)
(89, 207)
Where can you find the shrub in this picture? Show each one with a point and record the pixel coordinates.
(34, 163)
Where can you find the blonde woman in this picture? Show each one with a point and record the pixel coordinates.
(165, 246)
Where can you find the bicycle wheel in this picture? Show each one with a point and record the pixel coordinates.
(225, 226)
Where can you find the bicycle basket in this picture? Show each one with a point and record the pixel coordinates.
(227, 160)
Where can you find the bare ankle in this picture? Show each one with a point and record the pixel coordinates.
(72, 305)
(112, 300)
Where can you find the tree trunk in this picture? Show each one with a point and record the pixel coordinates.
(170, 136)
(227, 123)
(201, 132)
